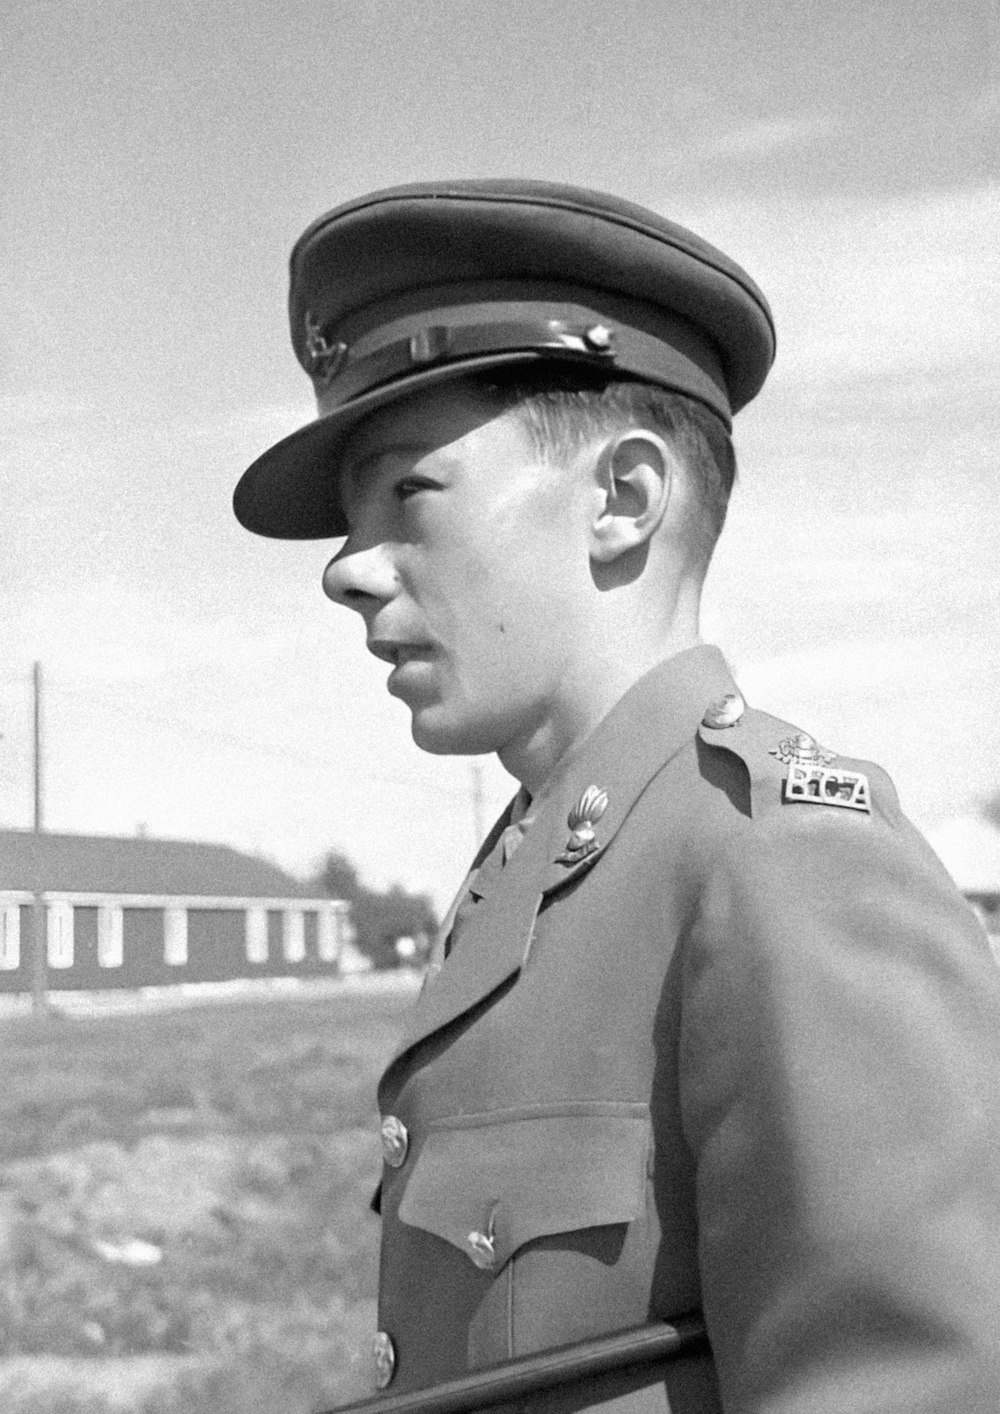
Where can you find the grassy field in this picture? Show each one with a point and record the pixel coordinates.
(184, 1220)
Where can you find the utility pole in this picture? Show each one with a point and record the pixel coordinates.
(36, 679)
(39, 913)
(478, 809)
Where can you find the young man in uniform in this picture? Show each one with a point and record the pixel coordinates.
(711, 1031)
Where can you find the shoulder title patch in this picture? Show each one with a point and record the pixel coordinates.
(811, 779)
(821, 785)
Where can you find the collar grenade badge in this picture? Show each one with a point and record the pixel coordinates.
(581, 821)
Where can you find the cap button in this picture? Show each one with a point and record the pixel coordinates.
(395, 1141)
(599, 337)
(384, 1355)
(726, 712)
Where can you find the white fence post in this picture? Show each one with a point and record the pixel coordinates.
(175, 936)
(110, 935)
(255, 934)
(59, 933)
(10, 937)
(294, 935)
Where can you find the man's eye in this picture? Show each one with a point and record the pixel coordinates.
(410, 485)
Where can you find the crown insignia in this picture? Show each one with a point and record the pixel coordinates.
(801, 750)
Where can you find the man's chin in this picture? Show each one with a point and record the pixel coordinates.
(440, 737)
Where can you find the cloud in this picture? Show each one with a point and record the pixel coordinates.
(764, 136)
(912, 702)
(261, 425)
(106, 632)
(41, 410)
(690, 99)
(866, 288)
(884, 665)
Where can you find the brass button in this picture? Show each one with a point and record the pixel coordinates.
(395, 1141)
(726, 712)
(384, 1355)
(482, 1250)
(599, 338)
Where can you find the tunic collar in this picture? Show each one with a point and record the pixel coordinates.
(654, 720)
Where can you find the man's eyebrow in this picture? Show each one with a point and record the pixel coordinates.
(355, 469)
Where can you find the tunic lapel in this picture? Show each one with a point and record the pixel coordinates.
(494, 936)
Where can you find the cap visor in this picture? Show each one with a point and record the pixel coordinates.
(292, 492)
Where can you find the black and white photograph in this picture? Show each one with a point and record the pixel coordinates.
(499, 727)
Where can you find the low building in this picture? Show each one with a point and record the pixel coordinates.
(135, 912)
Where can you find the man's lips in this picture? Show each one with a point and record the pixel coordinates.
(409, 663)
(397, 653)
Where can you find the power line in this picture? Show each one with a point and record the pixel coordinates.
(256, 748)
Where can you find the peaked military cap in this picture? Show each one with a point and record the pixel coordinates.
(414, 285)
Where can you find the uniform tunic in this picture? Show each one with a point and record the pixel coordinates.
(743, 1056)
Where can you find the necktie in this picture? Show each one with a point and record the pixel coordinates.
(467, 900)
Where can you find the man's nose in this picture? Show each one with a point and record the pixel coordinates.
(360, 578)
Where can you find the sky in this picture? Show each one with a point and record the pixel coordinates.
(160, 159)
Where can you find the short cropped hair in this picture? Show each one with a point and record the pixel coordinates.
(563, 409)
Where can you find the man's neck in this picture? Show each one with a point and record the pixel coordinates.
(588, 696)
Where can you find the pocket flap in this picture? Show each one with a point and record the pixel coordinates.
(515, 1179)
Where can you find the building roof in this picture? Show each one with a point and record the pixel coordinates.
(969, 848)
(137, 865)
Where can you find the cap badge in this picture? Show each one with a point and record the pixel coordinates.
(810, 780)
(725, 713)
(581, 821)
(324, 358)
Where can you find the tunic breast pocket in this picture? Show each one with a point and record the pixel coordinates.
(561, 1182)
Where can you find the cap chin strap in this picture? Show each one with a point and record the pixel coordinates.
(340, 377)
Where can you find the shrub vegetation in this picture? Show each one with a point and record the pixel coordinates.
(184, 1220)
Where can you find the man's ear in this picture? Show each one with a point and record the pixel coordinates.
(635, 472)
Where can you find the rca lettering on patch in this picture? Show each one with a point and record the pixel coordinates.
(821, 785)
